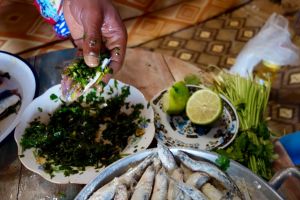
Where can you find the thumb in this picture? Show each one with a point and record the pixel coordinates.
(92, 38)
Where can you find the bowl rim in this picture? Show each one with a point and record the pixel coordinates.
(36, 92)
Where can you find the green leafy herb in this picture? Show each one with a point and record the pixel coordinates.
(40, 109)
(53, 97)
(223, 162)
(81, 74)
(84, 133)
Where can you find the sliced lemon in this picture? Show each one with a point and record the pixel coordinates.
(204, 107)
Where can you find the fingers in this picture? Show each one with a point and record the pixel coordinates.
(116, 43)
(92, 38)
(117, 58)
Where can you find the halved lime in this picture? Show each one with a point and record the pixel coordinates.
(204, 107)
(174, 100)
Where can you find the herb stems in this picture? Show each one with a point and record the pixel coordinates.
(252, 147)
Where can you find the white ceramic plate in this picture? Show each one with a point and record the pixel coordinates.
(178, 131)
(49, 106)
(23, 80)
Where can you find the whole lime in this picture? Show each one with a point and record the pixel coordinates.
(175, 99)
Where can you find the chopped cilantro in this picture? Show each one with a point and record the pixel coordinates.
(71, 140)
(223, 162)
(53, 97)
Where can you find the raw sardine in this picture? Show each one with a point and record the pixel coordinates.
(132, 176)
(166, 157)
(8, 100)
(160, 189)
(211, 192)
(186, 172)
(144, 187)
(106, 192)
(156, 164)
(212, 171)
(72, 88)
(121, 193)
(192, 192)
(173, 191)
(197, 179)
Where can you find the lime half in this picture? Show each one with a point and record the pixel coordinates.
(174, 100)
(204, 107)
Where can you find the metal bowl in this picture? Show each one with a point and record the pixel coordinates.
(257, 187)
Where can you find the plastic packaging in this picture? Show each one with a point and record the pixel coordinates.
(271, 44)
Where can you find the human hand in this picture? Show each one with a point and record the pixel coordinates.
(95, 25)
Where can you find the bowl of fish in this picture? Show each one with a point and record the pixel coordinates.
(175, 173)
(18, 88)
(71, 142)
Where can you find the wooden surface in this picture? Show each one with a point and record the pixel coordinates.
(152, 72)
(149, 72)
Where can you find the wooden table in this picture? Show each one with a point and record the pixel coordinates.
(149, 72)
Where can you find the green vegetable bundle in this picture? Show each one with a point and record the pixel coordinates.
(253, 146)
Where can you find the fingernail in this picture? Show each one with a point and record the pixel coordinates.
(91, 61)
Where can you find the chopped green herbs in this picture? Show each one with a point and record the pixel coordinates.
(223, 162)
(91, 131)
(40, 109)
(81, 74)
(53, 97)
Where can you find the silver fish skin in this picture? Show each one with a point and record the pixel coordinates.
(156, 164)
(192, 192)
(197, 179)
(106, 192)
(121, 193)
(7, 102)
(166, 157)
(144, 187)
(211, 170)
(132, 176)
(160, 190)
(175, 193)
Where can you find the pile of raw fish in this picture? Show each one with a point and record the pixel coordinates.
(10, 100)
(160, 177)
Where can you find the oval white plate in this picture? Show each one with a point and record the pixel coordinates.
(22, 79)
(49, 106)
(178, 131)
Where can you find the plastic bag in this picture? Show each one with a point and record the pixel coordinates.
(271, 44)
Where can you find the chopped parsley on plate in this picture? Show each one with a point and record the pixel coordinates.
(91, 131)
